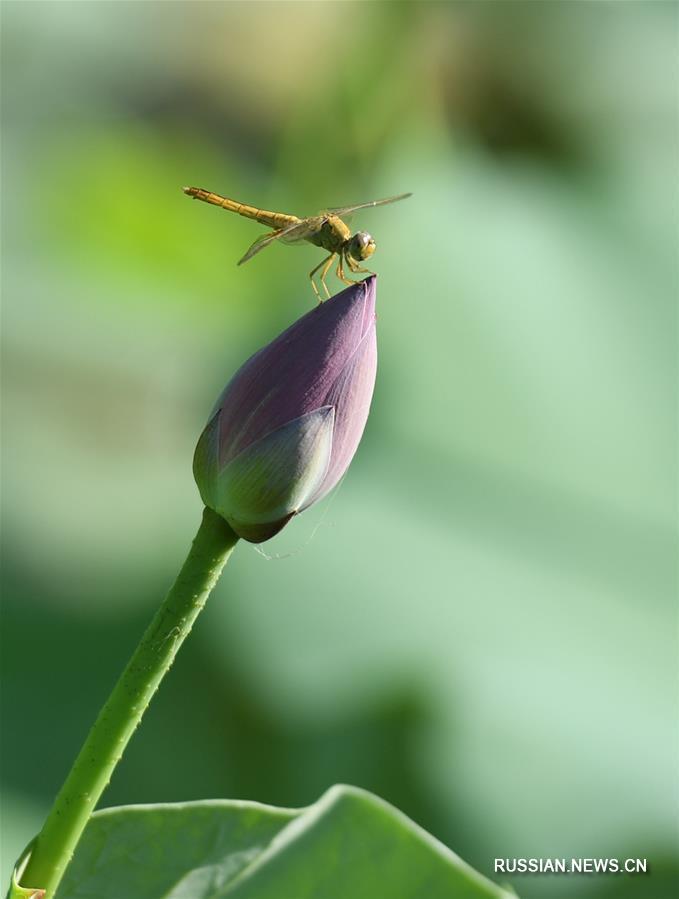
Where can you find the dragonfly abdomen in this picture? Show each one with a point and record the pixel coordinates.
(274, 220)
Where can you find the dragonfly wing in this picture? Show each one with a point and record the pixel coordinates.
(305, 229)
(345, 210)
(258, 245)
(293, 233)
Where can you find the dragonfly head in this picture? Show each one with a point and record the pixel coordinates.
(361, 246)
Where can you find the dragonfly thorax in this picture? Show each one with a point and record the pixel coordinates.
(361, 246)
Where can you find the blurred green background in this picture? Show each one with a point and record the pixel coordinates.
(480, 624)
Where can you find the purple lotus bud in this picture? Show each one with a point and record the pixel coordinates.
(287, 425)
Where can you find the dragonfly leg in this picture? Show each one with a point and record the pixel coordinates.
(327, 262)
(340, 271)
(326, 269)
(355, 267)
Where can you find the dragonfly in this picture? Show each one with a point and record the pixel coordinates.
(326, 230)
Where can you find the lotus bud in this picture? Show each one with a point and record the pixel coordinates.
(287, 425)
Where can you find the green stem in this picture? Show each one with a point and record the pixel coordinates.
(123, 711)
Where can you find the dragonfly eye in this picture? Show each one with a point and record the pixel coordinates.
(361, 246)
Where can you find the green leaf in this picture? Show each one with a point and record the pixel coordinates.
(16, 891)
(348, 845)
